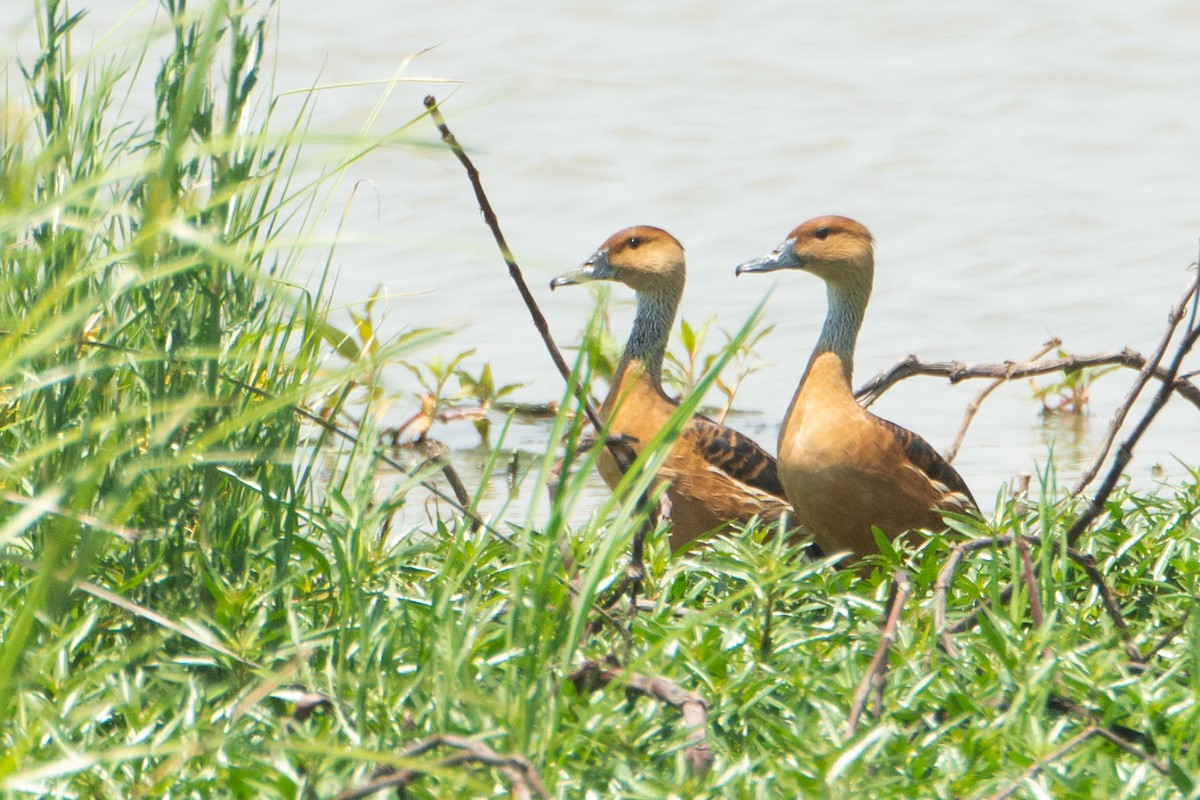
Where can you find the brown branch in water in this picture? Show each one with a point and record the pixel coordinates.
(592, 675)
(1125, 451)
(911, 366)
(873, 683)
(524, 779)
(1150, 368)
(1170, 383)
(973, 406)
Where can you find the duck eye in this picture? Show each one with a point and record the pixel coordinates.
(634, 242)
(821, 233)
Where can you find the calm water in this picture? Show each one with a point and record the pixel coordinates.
(1028, 171)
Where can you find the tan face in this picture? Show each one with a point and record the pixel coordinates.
(642, 257)
(831, 247)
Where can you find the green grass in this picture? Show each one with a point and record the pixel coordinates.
(182, 554)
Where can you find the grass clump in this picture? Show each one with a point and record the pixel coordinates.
(202, 592)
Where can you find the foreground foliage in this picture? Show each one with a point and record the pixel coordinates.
(204, 593)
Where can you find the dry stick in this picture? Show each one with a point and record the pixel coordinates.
(514, 271)
(945, 577)
(1084, 560)
(956, 372)
(591, 675)
(1170, 383)
(1169, 635)
(525, 780)
(973, 406)
(1027, 574)
(1164, 392)
(1129, 747)
(1046, 760)
(876, 677)
(620, 451)
(1123, 737)
(1125, 451)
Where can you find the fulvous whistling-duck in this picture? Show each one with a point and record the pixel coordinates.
(843, 468)
(716, 475)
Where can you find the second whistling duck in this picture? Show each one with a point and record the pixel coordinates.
(716, 475)
(843, 468)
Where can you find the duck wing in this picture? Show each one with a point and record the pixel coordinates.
(734, 454)
(930, 463)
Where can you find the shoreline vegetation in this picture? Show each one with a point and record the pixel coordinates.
(204, 590)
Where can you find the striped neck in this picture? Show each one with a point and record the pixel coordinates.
(651, 329)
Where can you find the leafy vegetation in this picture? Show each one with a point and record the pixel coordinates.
(1071, 392)
(203, 591)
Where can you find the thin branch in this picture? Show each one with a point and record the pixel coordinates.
(1169, 635)
(1129, 747)
(489, 217)
(875, 680)
(941, 588)
(525, 780)
(973, 406)
(1164, 392)
(911, 366)
(1039, 765)
(1085, 561)
(591, 675)
(1125, 451)
(1027, 575)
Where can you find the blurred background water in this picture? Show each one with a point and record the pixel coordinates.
(1028, 171)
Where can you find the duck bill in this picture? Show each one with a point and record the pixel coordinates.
(596, 268)
(782, 257)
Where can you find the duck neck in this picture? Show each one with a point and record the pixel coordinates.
(847, 305)
(651, 327)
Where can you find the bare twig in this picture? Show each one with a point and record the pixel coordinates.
(489, 217)
(875, 680)
(592, 675)
(1109, 735)
(1168, 385)
(973, 406)
(1125, 451)
(524, 778)
(1169, 635)
(1043, 762)
(941, 587)
(911, 366)
(1027, 574)
(1084, 560)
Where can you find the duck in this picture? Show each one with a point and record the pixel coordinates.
(716, 477)
(844, 469)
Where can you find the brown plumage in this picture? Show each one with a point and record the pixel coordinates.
(716, 475)
(845, 469)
